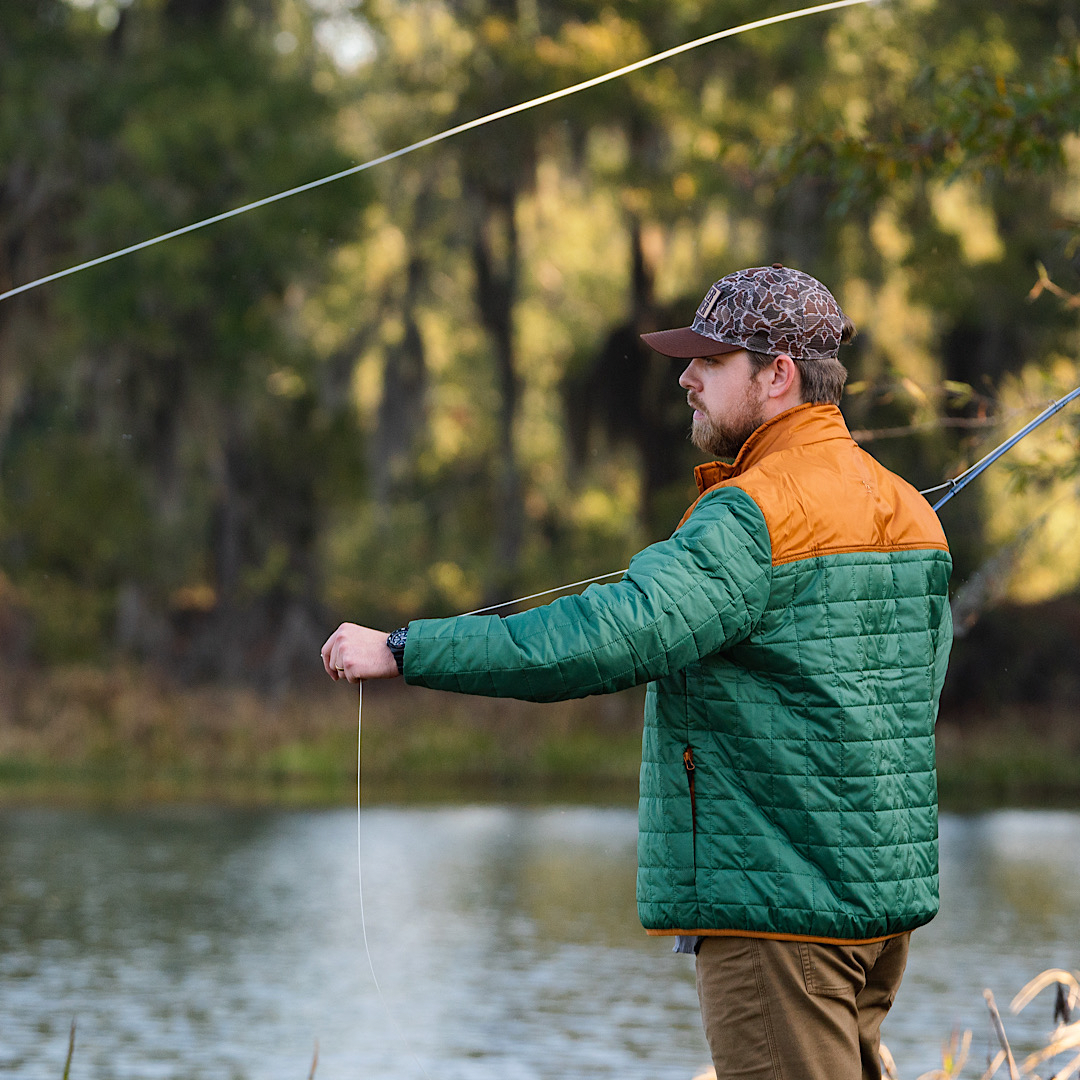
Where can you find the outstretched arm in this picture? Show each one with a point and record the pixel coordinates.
(701, 591)
(681, 599)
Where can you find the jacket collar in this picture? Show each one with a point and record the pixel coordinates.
(799, 426)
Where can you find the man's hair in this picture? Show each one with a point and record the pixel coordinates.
(822, 381)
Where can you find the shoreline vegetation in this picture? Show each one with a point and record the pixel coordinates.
(126, 734)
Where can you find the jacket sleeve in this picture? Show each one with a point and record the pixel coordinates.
(680, 600)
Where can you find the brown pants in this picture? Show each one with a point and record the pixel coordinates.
(791, 1010)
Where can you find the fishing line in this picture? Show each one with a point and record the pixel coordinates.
(359, 760)
(470, 125)
(359, 767)
(546, 592)
(360, 878)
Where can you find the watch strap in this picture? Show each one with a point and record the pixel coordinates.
(395, 642)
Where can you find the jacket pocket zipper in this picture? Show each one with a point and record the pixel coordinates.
(688, 764)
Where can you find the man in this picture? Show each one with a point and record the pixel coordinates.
(794, 632)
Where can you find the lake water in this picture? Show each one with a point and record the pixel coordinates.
(192, 944)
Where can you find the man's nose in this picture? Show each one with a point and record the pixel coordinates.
(688, 380)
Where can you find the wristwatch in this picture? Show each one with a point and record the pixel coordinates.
(396, 644)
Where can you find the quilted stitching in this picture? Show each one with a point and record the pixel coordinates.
(815, 772)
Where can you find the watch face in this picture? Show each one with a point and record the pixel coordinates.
(396, 640)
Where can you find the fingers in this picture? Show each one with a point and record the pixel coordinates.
(331, 653)
(326, 652)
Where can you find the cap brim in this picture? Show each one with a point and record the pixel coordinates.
(685, 344)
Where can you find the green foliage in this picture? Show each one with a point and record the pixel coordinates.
(180, 367)
(421, 390)
(977, 122)
(54, 499)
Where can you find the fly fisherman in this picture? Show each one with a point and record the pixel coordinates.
(794, 632)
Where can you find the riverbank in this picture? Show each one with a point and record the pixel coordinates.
(126, 734)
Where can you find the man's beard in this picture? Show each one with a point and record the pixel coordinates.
(725, 438)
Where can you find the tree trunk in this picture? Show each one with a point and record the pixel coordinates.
(224, 646)
(495, 259)
(653, 392)
(401, 411)
(197, 14)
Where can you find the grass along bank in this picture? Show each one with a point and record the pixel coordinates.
(129, 734)
(126, 733)
(1017, 756)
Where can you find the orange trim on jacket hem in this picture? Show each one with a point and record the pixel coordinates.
(776, 937)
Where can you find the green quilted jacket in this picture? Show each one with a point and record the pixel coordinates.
(794, 632)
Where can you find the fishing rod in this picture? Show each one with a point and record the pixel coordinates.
(950, 487)
(958, 483)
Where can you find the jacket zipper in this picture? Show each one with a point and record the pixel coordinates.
(688, 764)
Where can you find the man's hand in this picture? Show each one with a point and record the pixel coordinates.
(356, 652)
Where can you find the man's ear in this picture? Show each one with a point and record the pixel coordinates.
(782, 377)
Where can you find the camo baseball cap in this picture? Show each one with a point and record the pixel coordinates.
(766, 309)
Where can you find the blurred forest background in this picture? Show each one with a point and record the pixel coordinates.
(421, 389)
